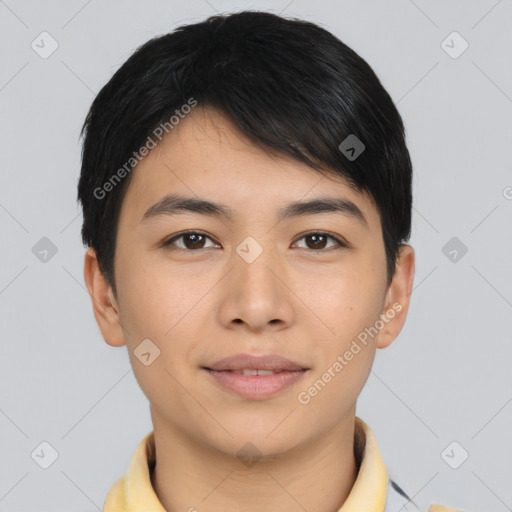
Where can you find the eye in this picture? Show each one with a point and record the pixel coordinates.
(192, 240)
(195, 240)
(317, 240)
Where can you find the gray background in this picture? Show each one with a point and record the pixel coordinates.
(446, 378)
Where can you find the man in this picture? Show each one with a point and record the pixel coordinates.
(246, 189)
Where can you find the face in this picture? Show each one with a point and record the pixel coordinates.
(258, 280)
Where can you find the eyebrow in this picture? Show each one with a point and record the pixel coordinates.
(173, 204)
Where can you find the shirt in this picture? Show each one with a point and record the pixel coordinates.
(372, 491)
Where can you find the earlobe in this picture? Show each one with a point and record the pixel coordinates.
(397, 297)
(104, 304)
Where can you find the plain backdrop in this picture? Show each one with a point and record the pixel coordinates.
(439, 400)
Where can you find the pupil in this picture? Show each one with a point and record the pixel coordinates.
(195, 238)
(317, 237)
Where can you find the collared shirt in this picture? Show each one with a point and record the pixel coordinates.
(372, 491)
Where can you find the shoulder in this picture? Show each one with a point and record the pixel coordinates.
(115, 497)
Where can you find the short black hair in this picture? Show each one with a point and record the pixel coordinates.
(289, 85)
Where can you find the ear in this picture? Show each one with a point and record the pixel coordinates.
(398, 297)
(104, 304)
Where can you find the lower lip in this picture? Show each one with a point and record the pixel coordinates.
(256, 386)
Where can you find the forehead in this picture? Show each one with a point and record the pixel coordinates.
(206, 156)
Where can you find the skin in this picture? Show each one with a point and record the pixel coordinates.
(202, 304)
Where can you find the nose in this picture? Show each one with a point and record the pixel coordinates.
(257, 294)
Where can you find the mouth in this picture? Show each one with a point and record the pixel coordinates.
(255, 377)
(255, 384)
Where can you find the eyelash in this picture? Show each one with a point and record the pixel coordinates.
(168, 243)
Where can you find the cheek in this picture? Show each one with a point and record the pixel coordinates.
(351, 307)
(347, 301)
(153, 296)
(161, 302)
(345, 355)
(157, 305)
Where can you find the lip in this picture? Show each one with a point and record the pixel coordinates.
(255, 387)
(272, 362)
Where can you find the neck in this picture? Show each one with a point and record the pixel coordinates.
(190, 476)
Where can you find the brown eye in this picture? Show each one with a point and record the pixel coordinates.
(318, 241)
(192, 240)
